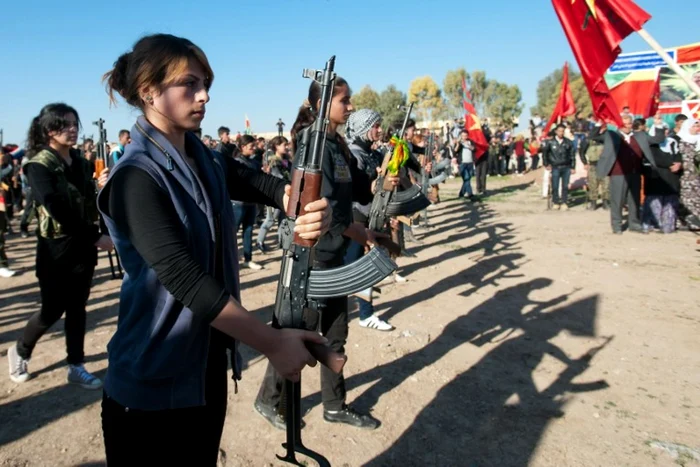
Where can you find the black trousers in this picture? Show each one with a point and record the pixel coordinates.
(333, 324)
(494, 169)
(625, 189)
(3, 225)
(187, 436)
(61, 292)
(482, 170)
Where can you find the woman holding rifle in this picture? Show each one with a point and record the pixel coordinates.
(167, 205)
(343, 182)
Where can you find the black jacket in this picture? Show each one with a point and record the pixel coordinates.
(659, 180)
(559, 154)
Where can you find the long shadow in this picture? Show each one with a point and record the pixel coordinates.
(493, 413)
(477, 275)
(23, 416)
(474, 218)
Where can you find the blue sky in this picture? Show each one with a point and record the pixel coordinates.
(58, 51)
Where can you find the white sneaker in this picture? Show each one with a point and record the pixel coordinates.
(252, 265)
(19, 373)
(6, 272)
(77, 374)
(375, 323)
(400, 279)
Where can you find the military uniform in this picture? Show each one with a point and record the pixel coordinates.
(598, 187)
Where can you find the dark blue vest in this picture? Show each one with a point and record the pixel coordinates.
(157, 357)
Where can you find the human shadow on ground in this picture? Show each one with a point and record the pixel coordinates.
(493, 413)
(23, 416)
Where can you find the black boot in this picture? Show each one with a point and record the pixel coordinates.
(273, 416)
(349, 416)
(606, 204)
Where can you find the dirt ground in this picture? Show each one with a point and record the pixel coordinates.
(523, 337)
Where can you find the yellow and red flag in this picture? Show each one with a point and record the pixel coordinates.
(399, 156)
(472, 124)
(595, 29)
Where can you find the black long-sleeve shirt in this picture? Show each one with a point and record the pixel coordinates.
(78, 245)
(146, 214)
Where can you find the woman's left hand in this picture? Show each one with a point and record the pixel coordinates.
(316, 221)
(102, 179)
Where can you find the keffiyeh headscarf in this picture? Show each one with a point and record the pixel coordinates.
(360, 122)
(685, 135)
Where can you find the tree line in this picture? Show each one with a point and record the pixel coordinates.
(492, 99)
(498, 101)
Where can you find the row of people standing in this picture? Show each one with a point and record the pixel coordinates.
(168, 207)
(626, 163)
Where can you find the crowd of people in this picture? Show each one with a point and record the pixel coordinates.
(649, 171)
(172, 201)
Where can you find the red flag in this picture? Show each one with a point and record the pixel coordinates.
(595, 29)
(472, 124)
(565, 105)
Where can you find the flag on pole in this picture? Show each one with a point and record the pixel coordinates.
(595, 29)
(248, 131)
(565, 104)
(472, 124)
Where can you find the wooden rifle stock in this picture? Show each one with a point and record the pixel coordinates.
(306, 188)
(327, 357)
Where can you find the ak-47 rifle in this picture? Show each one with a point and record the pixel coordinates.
(300, 287)
(388, 202)
(101, 161)
(427, 159)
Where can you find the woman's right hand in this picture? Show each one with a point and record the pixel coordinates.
(104, 243)
(290, 355)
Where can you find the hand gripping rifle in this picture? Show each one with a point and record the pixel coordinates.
(300, 287)
(389, 202)
(102, 161)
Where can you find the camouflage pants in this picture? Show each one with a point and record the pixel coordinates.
(598, 188)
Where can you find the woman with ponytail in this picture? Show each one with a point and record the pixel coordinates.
(68, 240)
(168, 208)
(343, 182)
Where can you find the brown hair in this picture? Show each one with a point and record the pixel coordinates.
(308, 113)
(276, 141)
(155, 60)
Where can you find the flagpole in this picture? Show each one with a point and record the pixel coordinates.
(669, 61)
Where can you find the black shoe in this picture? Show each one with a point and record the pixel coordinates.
(271, 415)
(349, 416)
(261, 247)
(407, 254)
(24, 234)
(592, 205)
(606, 205)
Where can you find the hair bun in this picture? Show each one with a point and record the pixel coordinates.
(118, 78)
